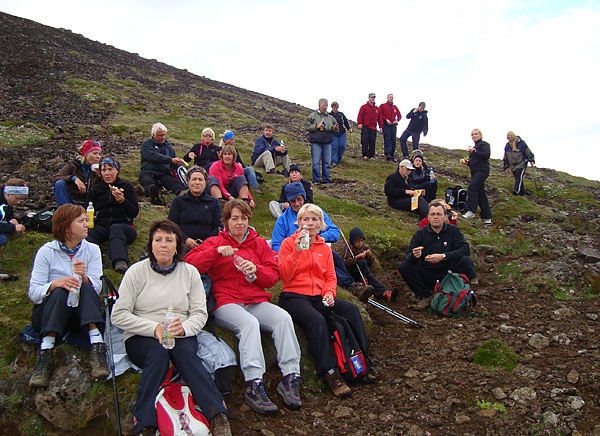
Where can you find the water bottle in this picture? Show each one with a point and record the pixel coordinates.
(237, 260)
(322, 121)
(305, 240)
(431, 175)
(90, 213)
(168, 338)
(73, 298)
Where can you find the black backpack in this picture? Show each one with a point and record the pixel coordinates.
(41, 221)
(457, 198)
(352, 361)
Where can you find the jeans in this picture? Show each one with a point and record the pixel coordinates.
(250, 175)
(389, 139)
(415, 141)
(338, 146)
(3, 239)
(318, 152)
(61, 193)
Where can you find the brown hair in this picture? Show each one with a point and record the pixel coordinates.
(166, 226)
(230, 149)
(196, 169)
(243, 206)
(15, 182)
(62, 219)
(438, 203)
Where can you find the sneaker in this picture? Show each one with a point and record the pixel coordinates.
(337, 384)
(44, 366)
(257, 398)
(388, 157)
(98, 361)
(423, 303)
(219, 425)
(361, 292)
(486, 221)
(121, 266)
(469, 215)
(289, 389)
(258, 191)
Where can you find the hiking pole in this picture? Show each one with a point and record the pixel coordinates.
(353, 148)
(376, 303)
(535, 177)
(109, 296)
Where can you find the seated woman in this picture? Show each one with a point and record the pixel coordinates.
(228, 138)
(420, 177)
(195, 212)
(399, 190)
(229, 181)
(75, 179)
(11, 194)
(148, 289)
(205, 152)
(308, 294)
(116, 205)
(243, 304)
(68, 263)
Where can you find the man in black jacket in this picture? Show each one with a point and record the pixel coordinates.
(433, 251)
(418, 123)
(399, 190)
(338, 146)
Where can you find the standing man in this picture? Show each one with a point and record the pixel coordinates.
(390, 116)
(338, 146)
(418, 123)
(268, 153)
(321, 126)
(155, 166)
(368, 119)
(433, 250)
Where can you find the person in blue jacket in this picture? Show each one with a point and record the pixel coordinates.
(418, 123)
(516, 157)
(269, 153)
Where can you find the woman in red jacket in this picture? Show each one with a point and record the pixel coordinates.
(243, 304)
(309, 286)
(230, 175)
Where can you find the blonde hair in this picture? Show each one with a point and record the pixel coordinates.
(478, 130)
(309, 207)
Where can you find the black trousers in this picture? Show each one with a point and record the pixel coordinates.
(148, 354)
(519, 174)
(309, 313)
(430, 190)
(368, 137)
(476, 195)
(404, 204)
(118, 236)
(54, 316)
(168, 181)
(422, 280)
(389, 139)
(371, 279)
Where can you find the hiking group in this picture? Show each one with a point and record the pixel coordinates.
(207, 243)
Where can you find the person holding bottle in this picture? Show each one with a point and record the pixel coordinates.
(243, 307)
(68, 265)
(423, 177)
(149, 288)
(479, 164)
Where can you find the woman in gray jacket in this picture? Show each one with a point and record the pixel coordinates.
(516, 156)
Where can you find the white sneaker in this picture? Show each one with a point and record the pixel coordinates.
(469, 215)
(486, 221)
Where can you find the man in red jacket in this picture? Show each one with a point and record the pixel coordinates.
(368, 118)
(390, 116)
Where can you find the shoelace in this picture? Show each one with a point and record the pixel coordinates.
(295, 384)
(261, 390)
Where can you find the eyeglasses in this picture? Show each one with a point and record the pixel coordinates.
(208, 135)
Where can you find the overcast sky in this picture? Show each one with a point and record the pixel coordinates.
(530, 66)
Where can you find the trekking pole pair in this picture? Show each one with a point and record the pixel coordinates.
(377, 304)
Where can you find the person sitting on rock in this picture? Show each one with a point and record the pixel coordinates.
(156, 166)
(399, 190)
(226, 180)
(287, 224)
(277, 207)
(433, 251)
(115, 205)
(75, 179)
(268, 153)
(12, 193)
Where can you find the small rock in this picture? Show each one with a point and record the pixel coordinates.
(462, 419)
(505, 328)
(265, 432)
(564, 312)
(504, 316)
(576, 433)
(523, 395)
(429, 378)
(527, 372)
(556, 392)
(415, 430)
(539, 341)
(411, 373)
(573, 377)
(592, 316)
(343, 412)
(562, 339)
(488, 413)
(576, 403)
(550, 418)
(499, 393)
(590, 254)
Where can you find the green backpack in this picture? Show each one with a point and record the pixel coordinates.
(453, 297)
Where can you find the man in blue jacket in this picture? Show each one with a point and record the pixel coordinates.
(433, 251)
(268, 153)
(286, 225)
(418, 123)
(155, 167)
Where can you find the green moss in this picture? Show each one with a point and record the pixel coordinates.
(494, 353)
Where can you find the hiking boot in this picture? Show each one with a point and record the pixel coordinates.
(121, 266)
(391, 295)
(257, 398)
(98, 361)
(361, 292)
(469, 215)
(219, 425)
(486, 221)
(423, 303)
(44, 366)
(148, 431)
(153, 194)
(285, 173)
(337, 384)
(289, 389)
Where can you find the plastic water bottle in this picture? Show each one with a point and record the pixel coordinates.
(168, 338)
(73, 298)
(322, 121)
(237, 261)
(431, 175)
(305, 241)
(90, 213)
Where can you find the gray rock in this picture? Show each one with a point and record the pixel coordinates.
(590, 254)
(592, 316)
(539, 341)
(550, 418)
(343, 412)
(462, 419)
(562, 339)
(558, 392)
(564, 312)
(576, 403)
(499, 394)
(573, 377)
(504, 316)
(527, 372)
(415, 430)
(561, 272)
(523, 395)
(506, 328)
